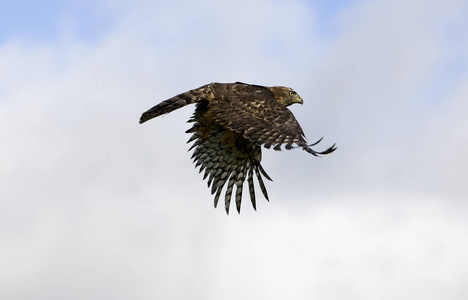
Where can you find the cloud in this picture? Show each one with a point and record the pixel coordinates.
(95, 205)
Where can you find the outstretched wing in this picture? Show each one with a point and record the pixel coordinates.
(253, 111)
(226, 157)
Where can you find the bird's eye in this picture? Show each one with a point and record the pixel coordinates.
(291, 93)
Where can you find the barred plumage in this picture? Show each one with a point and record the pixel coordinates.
(231, 123)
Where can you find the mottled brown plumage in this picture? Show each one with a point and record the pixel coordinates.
(231, 123)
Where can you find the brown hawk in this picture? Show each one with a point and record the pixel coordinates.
(231, 123)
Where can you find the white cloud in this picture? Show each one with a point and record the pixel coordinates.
(94, 205)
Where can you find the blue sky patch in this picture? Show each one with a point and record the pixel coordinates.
(45, 20)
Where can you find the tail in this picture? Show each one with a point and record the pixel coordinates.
(181, 100)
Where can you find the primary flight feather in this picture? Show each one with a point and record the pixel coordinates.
(231, 123)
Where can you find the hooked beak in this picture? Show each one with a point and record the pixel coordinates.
(300, 101)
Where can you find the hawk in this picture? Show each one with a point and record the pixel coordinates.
(230, 124)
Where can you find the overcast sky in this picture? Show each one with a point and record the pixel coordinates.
(94, 205)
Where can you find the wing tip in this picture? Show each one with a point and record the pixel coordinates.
(316, 153)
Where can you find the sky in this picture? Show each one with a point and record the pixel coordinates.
(94, 205)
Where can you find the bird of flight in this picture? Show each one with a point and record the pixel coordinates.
(231, 123)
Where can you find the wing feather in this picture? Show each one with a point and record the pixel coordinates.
(254, 112)
(227, 159)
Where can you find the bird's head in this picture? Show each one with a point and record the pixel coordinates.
(286, 96)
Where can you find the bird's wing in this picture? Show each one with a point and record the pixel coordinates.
(253, 111)
(226, 157)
